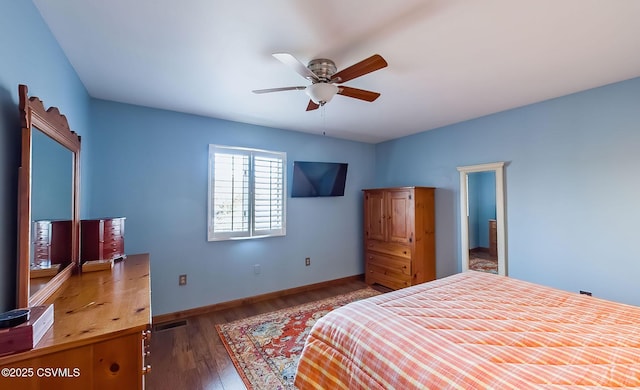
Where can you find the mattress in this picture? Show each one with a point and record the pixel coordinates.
(474, 330)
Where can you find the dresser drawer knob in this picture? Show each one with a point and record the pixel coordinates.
(146, 369)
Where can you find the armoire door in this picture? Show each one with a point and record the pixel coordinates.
(401, 213)
(374, 217)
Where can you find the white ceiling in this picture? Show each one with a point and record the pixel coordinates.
(449, 60)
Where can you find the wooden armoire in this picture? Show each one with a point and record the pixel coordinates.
(399, 233)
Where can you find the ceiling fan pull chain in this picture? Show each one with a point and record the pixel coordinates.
(323, 115)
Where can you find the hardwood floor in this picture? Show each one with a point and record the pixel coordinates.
(192, 356)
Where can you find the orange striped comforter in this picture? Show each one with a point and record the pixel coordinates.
(471, 331)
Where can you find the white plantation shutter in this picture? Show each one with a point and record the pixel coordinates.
(231, 194)
(246, 193)
(268, 209)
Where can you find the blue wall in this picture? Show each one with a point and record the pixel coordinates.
(571, 186)
(30, 55)
(152, 168)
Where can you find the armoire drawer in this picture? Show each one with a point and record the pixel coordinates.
(391, 264)
(391, 271)
(373, 277)
(389, 248)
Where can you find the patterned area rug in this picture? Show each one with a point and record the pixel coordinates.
(265, 349)
(484, 265)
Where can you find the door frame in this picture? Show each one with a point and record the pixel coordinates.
(498, 168)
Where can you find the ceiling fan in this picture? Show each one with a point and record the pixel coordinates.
(324, 78)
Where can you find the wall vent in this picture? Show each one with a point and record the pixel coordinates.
(169, 325)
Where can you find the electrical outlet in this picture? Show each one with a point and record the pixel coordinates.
(307, 261)
(256, 269)
(182, 280)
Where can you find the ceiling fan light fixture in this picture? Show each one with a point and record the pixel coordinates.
(321, 93)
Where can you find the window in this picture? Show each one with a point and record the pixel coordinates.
(246, 193)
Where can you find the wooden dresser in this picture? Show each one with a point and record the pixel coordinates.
(399, 233)
(99, 337)
(51, 242)
(493, 238)
(102, 238)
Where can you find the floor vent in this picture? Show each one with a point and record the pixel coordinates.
(169, 325)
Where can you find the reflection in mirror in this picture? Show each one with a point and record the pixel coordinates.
(48, 207)
(51, 209)
(481, 210)
(482, 219)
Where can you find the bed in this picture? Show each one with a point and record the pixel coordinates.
(474, 330)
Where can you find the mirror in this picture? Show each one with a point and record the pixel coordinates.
(48, 222)
(482, 218)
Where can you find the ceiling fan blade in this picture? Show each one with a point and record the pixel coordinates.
(371, 64)
(358, 93)
(279, 89)
(298, 66)
(312, 106)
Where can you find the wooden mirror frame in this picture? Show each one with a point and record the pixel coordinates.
(498, 168)
(54, 125)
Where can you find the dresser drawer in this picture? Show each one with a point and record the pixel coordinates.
(41, 240)
(112, 223)
(112, 241)
(41, 249)
(41, 253)
(112, 229)
(111, 236)
(112, 252)
(41, 231)
(389, 248)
